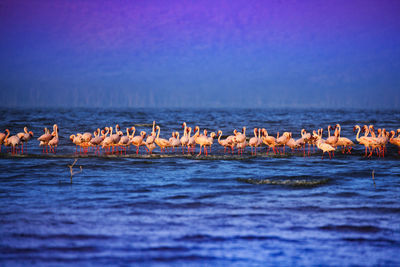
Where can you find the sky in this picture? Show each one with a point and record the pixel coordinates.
(316, 53)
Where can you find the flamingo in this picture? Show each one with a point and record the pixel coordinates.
(301, 143)
(210, 140)
(254, 141)
(307, 139)
(138, 140)
(241, 147)
(13, 141)
(125, 141)
(343, 141)
(201, 140)
(225, 142)
(25, 137)
(97, 139)
(184, 139)
(174, 140)
(363, 140)
(270, 141)
(240, 137)
(325, 147)
(53, 143)
(331, 140)
(291, 142)
(45, 138)
(232, 140)
(2, 137)
(86, 137)
(192, 143)
(281, 141)
(395, 140)
(108, 140)
(76, 139)
(150, 140)
(161, 142)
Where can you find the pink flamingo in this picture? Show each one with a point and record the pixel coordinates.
(25, 137)
(184, 139)
(53, 143)
(2, 138)
(161, 142)
(45, 138)
(321, 144)
(268, 140)
(254, 141)
(138, 140)
(343, 141)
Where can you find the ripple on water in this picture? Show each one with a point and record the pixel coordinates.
(287, 182)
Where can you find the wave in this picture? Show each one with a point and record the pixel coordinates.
(352, 228)
(289, 182)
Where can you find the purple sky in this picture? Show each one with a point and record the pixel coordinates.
(200, 53)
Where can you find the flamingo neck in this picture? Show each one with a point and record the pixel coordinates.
(358, 133)
(158, 134)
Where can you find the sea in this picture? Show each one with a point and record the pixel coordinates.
(170, 209)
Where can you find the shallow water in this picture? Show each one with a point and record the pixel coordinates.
(179, 210)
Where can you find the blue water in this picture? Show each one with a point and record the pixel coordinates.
(188, 210)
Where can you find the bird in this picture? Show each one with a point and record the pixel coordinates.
(224, 142)
(191, 143)
(343, 141)
(254, 141)
(291, 142)
(45, 138)
(363, 140)
(76, 139)
(115, 138)
(281, 141)
(268, 140)
(211, 140)
(307, 139)
(108, 141)
(3, 137)
(201, 140)
(240, 137)
(125, 140)
(53, 143)
(14, 141)
(325, 147)
(301, 143)
(174, 140)
(395, 140)
(25, 137)
(184, 139)
(138, 140)
(161, 142)
(331, 140)
(97, 139)
(241, 147)
(150, 146)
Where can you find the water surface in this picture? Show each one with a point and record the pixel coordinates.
(180, 210)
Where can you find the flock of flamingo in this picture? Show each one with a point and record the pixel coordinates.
(112, 140)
